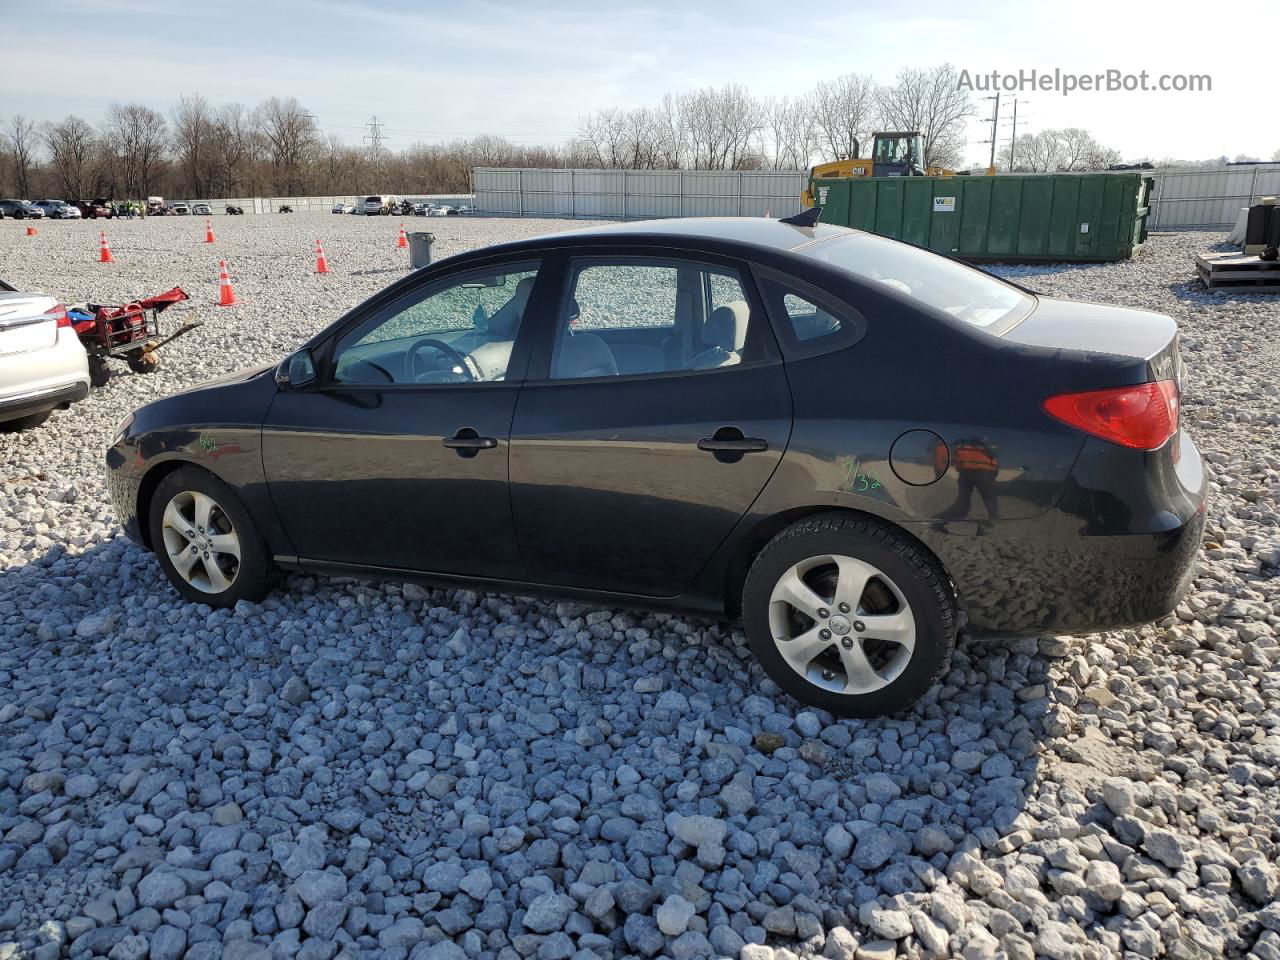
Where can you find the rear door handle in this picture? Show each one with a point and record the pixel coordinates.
(742, 445)
(468, 443)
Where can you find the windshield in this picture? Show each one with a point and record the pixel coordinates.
(965, 293)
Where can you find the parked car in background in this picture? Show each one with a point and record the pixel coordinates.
(58, 209)
(442, 210)
(93, 209)
(420, 209)
(155, 206)
(43, 366)
(201, 210)
(852, 444)
(233, 211)
(465, 210)
(339, 208)
(179, 209)
(20, 210)
(377, 206)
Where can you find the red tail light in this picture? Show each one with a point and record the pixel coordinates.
(1143, 416)
(58, 312)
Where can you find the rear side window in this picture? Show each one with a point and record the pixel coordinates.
(810, 322)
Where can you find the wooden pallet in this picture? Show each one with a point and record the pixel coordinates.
(1238, 271)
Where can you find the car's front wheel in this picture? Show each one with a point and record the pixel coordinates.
(206, 542)
(848, 615)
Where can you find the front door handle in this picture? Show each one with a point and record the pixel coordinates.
(728, 445)
(468, 443)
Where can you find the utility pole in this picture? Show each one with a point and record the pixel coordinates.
(995, 119)
(1013, 141)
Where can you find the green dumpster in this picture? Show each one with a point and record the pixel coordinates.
(1019, 218)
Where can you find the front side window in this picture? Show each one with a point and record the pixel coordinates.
(462, 331)
(652, 317)
(963, 292)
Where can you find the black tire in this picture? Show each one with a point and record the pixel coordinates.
(255, 575)
(99, 372)
(24, 423)
(141, 362)
(918, 576)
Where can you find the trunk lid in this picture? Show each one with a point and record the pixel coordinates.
(23, 324)
(1147, 339)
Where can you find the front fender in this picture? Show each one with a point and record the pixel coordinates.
(217, 427)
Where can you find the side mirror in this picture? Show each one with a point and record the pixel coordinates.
(296, 370)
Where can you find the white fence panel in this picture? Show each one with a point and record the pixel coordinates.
(633, 194)
(1209, 199)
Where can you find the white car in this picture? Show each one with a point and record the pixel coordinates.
(179, 209)
(378, 205)
(43, 366)
(58, 210)
(201, 210)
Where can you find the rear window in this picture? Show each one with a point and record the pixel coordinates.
(372, 199)
(963, 292)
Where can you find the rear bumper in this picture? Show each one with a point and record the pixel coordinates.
(11, 408)
(1119, 549)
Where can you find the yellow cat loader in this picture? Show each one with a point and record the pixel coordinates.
(893, 154)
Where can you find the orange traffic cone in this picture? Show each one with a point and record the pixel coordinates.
(104, 253)
(403, 241)
(32, 231)
(322, 265)
(208, 232)
(226, 296)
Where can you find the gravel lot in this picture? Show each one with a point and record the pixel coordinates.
(353, 769)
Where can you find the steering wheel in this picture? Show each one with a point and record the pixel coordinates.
(448, 350)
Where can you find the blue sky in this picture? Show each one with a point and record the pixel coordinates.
(433, 70)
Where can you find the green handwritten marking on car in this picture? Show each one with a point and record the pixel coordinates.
(857, 480)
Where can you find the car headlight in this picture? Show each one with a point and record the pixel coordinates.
(121, 429)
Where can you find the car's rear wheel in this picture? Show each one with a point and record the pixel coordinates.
(24, 423)
(848, 615)
(206, 542)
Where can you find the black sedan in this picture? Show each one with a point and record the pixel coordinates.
(853, 445)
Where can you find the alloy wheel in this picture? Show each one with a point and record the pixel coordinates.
(201, 541)
(842, 624)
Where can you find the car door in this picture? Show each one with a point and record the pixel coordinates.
(656, 411)
(397, 457)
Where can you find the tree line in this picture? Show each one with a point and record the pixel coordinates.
(201, 149)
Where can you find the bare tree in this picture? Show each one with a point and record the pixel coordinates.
(1275, 157)
(72, 147)
(1069, 149)
(672, 132)
(290, 134)
(22, 137)
(193, 142)
(140, 138)
(844, 112)
(722, 126)
(791, 132)
(605, 135)
(234, 147)
(932, 101)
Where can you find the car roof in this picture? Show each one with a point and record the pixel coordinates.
(752, 231)
(741, 236)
